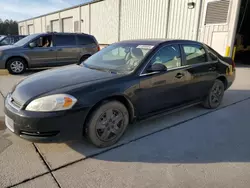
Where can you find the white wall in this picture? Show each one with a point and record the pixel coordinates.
(104, 21)
(143, 19)
(85, 19)
(183, 22)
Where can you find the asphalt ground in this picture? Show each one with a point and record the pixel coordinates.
(194, 147)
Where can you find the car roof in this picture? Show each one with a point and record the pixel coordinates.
(158, 41)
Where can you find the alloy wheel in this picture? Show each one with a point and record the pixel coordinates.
(109, 125)
(17, 66)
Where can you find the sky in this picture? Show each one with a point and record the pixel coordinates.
(23, 9)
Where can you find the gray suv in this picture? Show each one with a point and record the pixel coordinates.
(47, 50)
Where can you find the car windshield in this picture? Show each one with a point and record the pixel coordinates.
(120, 57)
(25, 40)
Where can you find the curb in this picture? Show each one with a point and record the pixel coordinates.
(4, 72)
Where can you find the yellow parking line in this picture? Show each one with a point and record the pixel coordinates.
(4, 72)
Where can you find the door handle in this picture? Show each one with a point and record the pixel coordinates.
(179, 75)
(51, 50)
(212, 68)
(59, 49)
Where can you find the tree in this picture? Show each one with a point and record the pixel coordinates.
(8, 27)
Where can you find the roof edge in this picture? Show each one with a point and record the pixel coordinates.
(80, 5)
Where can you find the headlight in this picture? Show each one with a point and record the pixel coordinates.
(52, 103)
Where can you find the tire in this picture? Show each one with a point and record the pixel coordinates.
(215, 96)
(83, 58)
(107, 124)
(16, 65)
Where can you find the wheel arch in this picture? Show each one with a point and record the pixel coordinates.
(224, 81)
(17, 56)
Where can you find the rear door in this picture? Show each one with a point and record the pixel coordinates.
(66, 48)
(201, 67)
(160, 90)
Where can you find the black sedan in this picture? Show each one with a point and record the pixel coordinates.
(125, 81)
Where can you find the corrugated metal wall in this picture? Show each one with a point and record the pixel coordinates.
(218, 36)
(104, 21)
(113, 20)
(85, 19)
(143, 19)
(183, 22)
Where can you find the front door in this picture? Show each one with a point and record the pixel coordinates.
(160, 90)
(67, 50)
(43, 53)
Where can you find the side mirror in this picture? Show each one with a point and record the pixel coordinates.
(32, 45)
(157, 67)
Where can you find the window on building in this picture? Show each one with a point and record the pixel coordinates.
(194, 54)
(169, 56)
(65, 40)
(85, 40)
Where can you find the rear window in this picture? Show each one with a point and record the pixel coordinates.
(65, 40)
(85, 40)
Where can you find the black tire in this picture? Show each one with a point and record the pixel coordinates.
(83, 58)
(104, 131)
(215, 96)
(16, 65)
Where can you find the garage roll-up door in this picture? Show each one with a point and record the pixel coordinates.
(67, 25)
(55, 26)
(30, 29)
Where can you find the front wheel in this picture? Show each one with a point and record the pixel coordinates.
(215, 96)
(16, 66)
(107, 124)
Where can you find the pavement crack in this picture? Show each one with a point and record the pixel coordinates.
(1, 94)
(46, 164)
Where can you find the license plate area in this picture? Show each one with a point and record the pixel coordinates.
(9, 123)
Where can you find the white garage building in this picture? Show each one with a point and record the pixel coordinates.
(213, 22)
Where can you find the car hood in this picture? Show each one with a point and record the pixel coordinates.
(47, 81)
(7, 47)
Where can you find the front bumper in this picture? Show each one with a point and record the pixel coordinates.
(45, 126)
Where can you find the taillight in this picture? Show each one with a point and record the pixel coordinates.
(98, 48)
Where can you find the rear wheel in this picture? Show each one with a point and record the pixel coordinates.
(16, 66)
(83, 58)
(107, 124)
(215, 96)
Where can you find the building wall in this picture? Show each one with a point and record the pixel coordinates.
(183, 22)
(143, 19)
(104, 21)
(218, 36)
(85, 19)
(114, 20)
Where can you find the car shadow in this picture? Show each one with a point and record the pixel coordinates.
(194, 135)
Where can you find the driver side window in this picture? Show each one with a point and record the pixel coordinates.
(170, 56)
(43, 42)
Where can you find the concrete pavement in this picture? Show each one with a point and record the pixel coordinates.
(149, 153)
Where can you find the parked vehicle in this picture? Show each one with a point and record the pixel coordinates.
(10, 39)
(123, 82)
(47, 50)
